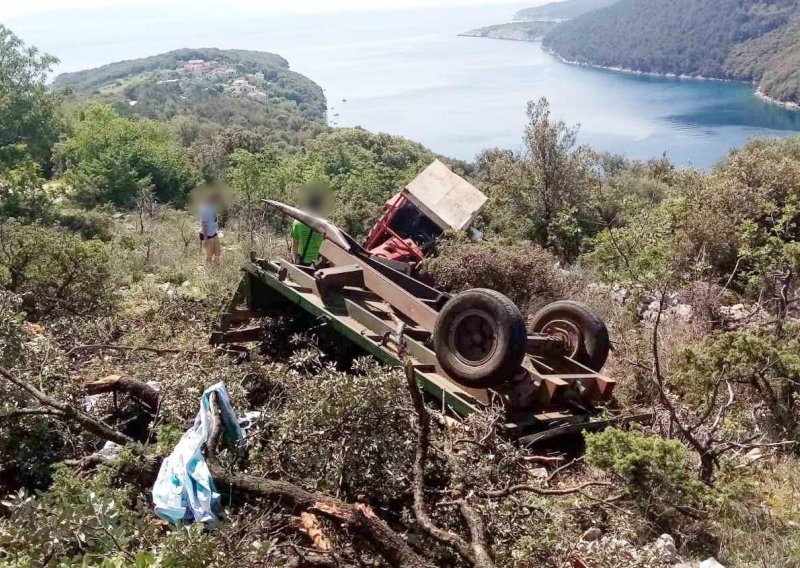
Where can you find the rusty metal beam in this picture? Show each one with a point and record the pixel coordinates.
(404, 302)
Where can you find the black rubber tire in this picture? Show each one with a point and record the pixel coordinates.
(596, 344)
(508, 344)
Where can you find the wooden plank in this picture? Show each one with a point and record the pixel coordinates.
(400, 299)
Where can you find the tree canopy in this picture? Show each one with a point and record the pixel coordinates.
(28, 110)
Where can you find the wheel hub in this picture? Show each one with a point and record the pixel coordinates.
(473, 337)
(567, 332)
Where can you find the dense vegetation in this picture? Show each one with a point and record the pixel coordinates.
(520, 31)
(564, 10)
(224, 88)
(732, 39)
(697, 275)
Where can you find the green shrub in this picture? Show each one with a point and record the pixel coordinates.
(106, 157)
(73, 520)
(54, 271)
(23, 195)
(762, 365)
(90, 224)
(656, 472)
(12, 334)
(524, 272)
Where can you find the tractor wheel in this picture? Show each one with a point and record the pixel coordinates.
(480, 338)
(580, 327)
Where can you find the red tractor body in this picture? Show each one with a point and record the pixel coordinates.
(434, 202)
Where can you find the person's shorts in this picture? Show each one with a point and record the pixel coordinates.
(203, 237)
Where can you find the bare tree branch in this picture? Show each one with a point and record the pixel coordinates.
(69, 412)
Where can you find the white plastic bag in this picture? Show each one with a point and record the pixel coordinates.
(184, 489)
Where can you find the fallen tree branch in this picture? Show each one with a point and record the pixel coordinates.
(89, 423)
(358, 518)
(157, 350)
(542, 490)
(23, 412)
(142, 392)
(476, 551)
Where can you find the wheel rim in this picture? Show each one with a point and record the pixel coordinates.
(473, 337)
(567, 332)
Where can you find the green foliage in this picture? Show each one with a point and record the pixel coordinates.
(520, 31)
(738, 225)
(772, 60)
(74, 520)
(108, 158)
(344, 433)
(524, 272)
(280, 105)
(28, 123)
(564, 10)
(655, 471)
(363, 170)
(735, 39)
(23, 194)
(544, 194)
(54, 271)
(12, 336)
(94, 223)
(766, 365)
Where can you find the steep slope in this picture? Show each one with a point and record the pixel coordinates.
(773, 60)
(731, 39)
(250, 89)
(565, 10)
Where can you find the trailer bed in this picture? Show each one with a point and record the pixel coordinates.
(360, 315)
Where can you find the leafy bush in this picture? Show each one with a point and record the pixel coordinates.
(23, 195)
(106, 157)
(656, 472)
(766, 364)
(542, 194)
(360, 441)
(90, 224)
(53, 270)
(524, 272)
(72, 520)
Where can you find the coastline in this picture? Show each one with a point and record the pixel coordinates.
(757, 89)
(785, 104)
(637, 72)
(470, 34)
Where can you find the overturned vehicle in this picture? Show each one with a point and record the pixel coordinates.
(471, 350)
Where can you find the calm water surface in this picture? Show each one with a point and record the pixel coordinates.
(407, 72)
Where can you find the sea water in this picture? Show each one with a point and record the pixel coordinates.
(407, 72)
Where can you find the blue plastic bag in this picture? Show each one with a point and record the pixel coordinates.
(184, 489)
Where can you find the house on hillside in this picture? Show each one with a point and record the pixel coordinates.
(195, 65)
(243, 87)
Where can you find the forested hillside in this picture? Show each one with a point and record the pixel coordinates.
(565, 10)
(772, 60)
(732, 39)
(106, 304)
(209, 88)
(518, 31)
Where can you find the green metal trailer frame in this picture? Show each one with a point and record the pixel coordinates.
(269, 287)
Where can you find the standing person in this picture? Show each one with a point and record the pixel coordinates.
(209, 228)
(305, 240)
